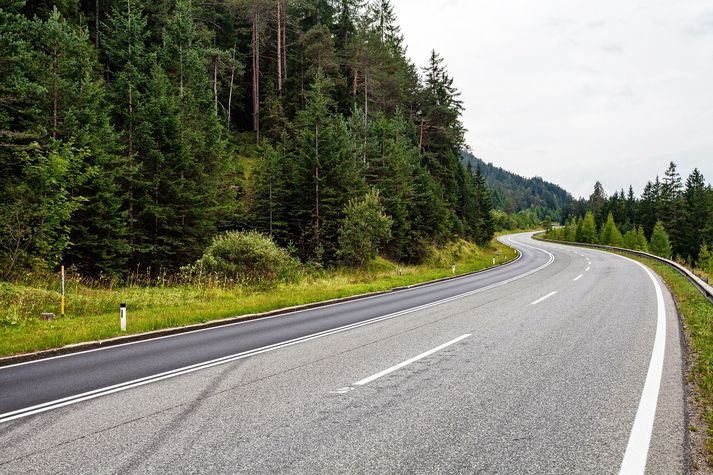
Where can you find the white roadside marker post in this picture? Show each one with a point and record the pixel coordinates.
(122, 316)
(453, 269)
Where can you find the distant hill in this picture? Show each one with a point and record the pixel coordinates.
(513, 193)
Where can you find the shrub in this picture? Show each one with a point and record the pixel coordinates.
(248, 258)
(364, 228)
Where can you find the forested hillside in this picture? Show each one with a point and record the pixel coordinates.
(521, 202)
(133, 132)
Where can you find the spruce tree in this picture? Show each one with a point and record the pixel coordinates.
(660, 244)
(589, 229)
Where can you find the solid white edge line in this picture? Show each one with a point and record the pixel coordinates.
(47, 406)
(292, 312)
(543, 298)
(578, 277)
(637, 448)
(409, 361)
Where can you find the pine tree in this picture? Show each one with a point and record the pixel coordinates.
(327, 178)
(696, 215)
(589, 229)
(484, 223)
(127, 63)
(660, 244)
(597, 200)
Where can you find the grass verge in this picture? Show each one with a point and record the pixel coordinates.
(92, 312)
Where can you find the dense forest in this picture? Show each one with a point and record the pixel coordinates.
(671, 218)
(513, 193)
(520, 202)
(133, 132)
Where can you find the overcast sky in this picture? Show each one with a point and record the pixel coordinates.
(576, 91)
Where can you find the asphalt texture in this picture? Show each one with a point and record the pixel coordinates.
(546, 388)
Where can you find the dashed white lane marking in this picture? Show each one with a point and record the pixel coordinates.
(578, 277)
(587, 269)
(409, 361)
(543, 298)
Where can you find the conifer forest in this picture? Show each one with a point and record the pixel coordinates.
(132, 133)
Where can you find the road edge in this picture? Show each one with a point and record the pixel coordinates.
(119, 340)
(694, 442)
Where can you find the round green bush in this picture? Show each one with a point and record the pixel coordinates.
(246, 257)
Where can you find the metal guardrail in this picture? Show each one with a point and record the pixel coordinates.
(699, 283)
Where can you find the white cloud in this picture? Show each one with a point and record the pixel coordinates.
(577, 91)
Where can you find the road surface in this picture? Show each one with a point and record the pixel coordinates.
(566, 361)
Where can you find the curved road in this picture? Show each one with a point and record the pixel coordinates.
(566, 361)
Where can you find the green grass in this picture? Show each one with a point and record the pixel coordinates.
(92, 310)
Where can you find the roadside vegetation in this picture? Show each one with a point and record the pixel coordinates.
(158, 302)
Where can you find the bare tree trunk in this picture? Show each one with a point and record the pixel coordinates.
(130, 211)
(279, 47)
(420, 135)
(54, 93)
(180, 61)
(284, 39)
(215, 82)
(256, 74)
(270, 190)
(366, 108)
(96, 24)
(230, 90)
(316, 182)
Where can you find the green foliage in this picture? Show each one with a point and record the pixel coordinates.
(660, 244)
(636, 240)
(609, 235)
(249, 258)
(705, 259)
(147, 103)
(365, 227)
(589, 230)
(36, 204)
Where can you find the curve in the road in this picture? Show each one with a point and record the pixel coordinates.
(42, 385)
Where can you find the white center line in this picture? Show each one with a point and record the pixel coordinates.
(409, 361)
(543, 298)
(578, 277)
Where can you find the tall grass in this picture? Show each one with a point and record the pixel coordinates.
(161, 301)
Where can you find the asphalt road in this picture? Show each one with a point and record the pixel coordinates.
(566, 361)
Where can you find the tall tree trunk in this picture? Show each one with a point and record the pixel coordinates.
(316, 183)
(130, 197)
(96, 24)
(55, 92)
(180, 62)
(366, 108)
(256, 73)
(279, 47)
(230, 89)
(215, 82)
(284, 39)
